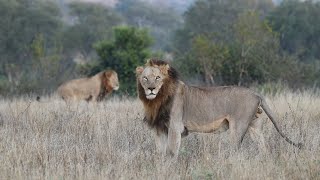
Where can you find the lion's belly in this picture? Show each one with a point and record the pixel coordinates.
(215, 126)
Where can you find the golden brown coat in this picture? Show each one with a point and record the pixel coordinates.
(93, 88)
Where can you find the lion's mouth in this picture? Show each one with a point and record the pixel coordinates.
(151, 96)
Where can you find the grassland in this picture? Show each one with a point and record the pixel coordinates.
(51, 140)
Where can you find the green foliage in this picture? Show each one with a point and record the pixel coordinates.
(129, 49)
(248, 58)
(4, 85)
(29, 33)
(215, 17)
(161, 21)
(209, 57)
(37, 46)
(256, 49)
(21, 21)
(90, 23)
(231, 42)
(298, 24)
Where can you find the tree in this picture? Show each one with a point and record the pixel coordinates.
(20, 23)
(129, 49)
(209, 56)
(228, 41)
(215, 18)
(46, 69)
(257, 48)
(89, 23)
(160, 20)
(298, 25)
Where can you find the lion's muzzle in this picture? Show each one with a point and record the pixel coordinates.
(151, 93)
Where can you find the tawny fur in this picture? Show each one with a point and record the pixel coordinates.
(178, 109)
(93, 88)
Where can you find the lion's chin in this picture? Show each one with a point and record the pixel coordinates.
(151, 96)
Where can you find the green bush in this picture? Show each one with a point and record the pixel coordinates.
(129, 49)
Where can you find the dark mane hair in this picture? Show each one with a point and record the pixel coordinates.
(105, 87)
(157, 111)
(173, 74)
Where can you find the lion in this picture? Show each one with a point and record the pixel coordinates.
(175, 109)
(93, 88)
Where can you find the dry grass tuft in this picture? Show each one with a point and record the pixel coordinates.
(51, 140)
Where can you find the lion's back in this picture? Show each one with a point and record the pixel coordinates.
(209, 101)
(75, 88)
(221, 92)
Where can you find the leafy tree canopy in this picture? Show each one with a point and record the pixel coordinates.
(89, 23)
(215, 17)
(298, 25)
(129, 49)
(161, 21)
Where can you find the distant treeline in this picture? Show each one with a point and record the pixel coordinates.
(213, 43)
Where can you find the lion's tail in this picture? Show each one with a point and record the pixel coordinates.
(40, 100)
(271, 116)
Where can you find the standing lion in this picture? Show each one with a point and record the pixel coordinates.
(93, 88)
(174, 109)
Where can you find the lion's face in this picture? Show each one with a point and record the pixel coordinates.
(114, 82)
(111, 80)
(151, 79)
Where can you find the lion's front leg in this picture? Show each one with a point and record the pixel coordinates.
(176, 126)
(161, 143)
(174, 141)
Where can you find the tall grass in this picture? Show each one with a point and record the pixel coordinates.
(53, 140)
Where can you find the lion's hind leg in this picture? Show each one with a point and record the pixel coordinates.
(255, 131)
(238, 128)
(237, 133)
(256, 135)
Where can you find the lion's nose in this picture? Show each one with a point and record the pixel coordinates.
(151, 88)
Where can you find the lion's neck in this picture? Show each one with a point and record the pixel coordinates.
(157, 111)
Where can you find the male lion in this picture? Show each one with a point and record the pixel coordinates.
(93, 88)
(174, 109)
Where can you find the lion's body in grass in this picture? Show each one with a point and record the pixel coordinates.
(93, 88)
(174, 109)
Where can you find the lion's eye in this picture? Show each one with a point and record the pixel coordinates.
(145, 78)
(158, 77)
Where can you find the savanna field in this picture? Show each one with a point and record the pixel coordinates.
(109, 140)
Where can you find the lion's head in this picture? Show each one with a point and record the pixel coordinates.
(154, 76)
(110, 80)
(156, 83)
(151, 79)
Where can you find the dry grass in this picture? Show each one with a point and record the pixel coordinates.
(50, 140)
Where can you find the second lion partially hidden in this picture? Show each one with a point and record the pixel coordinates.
(174, 109)
(93, 88)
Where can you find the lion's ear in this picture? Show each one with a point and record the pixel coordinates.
(105, 78)
(164, 69)
(148, 62)
(139, 70)
(107, 74)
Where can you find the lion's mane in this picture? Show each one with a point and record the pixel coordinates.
(157, 111)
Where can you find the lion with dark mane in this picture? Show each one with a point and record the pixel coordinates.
(175, 109)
